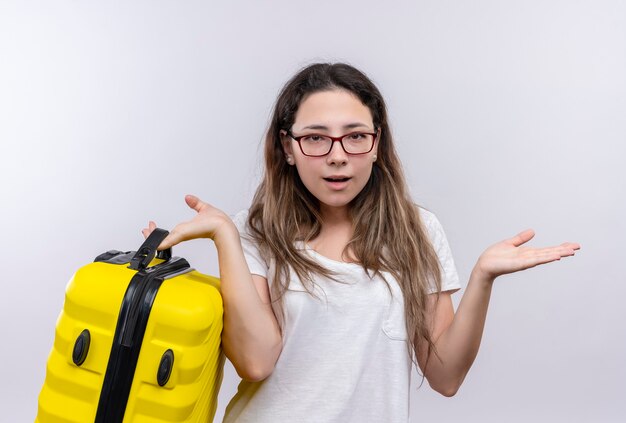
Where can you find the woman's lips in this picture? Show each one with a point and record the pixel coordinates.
(337, 183)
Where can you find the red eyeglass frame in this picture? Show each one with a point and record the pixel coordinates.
(333, 140)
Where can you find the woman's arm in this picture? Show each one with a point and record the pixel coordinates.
(457, 336)
(251, 336)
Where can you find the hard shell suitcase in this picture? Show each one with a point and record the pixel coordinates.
(138, 340)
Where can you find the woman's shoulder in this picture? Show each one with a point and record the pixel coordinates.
(428, 217)
(240, 219)
(432, 224)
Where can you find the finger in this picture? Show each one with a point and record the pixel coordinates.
(538, 259)
(573, 245)
(561, 250)
(567, 249)
(176, 236)
(553, 254)
(168, 242)
(194, 202)
(147, 231)
(522, 237)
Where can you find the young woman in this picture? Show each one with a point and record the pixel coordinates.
(334, 282)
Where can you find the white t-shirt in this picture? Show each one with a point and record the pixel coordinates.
(344, 357)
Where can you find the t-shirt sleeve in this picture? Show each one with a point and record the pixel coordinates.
(449, 276)
(256, 263)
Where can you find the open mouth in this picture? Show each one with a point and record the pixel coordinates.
(336, 179)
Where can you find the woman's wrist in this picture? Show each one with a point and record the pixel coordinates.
(480, 276)
(226, 233)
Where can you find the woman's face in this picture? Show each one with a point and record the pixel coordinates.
(336, 178)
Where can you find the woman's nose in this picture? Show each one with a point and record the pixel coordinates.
(337, 155)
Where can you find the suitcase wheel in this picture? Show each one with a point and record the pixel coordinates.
(81, 347)
(165, 367)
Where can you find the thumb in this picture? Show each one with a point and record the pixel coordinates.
(170, 240)
(178, 234)
(174, 237)
(522, 237)
(194, 202)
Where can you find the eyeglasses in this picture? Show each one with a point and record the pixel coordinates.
(354, 143)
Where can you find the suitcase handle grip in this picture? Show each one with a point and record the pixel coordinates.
(148, 250)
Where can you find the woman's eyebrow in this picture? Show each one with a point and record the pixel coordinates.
(348, 126)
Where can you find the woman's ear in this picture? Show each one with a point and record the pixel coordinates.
(285, 141)
(376, 142)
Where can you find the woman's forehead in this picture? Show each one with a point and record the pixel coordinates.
(328, 110)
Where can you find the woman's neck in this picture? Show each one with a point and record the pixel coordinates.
(335, 216)
(335, 234)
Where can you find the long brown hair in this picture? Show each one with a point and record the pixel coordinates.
(388, 232)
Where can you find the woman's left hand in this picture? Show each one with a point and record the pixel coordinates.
(508, 257)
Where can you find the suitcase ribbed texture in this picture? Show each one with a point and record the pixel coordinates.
(186, 318)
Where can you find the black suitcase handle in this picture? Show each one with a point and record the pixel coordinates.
(148, 250)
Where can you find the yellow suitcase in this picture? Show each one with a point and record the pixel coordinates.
(138, 340)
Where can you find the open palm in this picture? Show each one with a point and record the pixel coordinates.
(508, 256)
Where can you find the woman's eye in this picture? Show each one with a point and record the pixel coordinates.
(356, 136)
(313, 138)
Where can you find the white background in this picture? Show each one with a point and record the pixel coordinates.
(507, 115)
